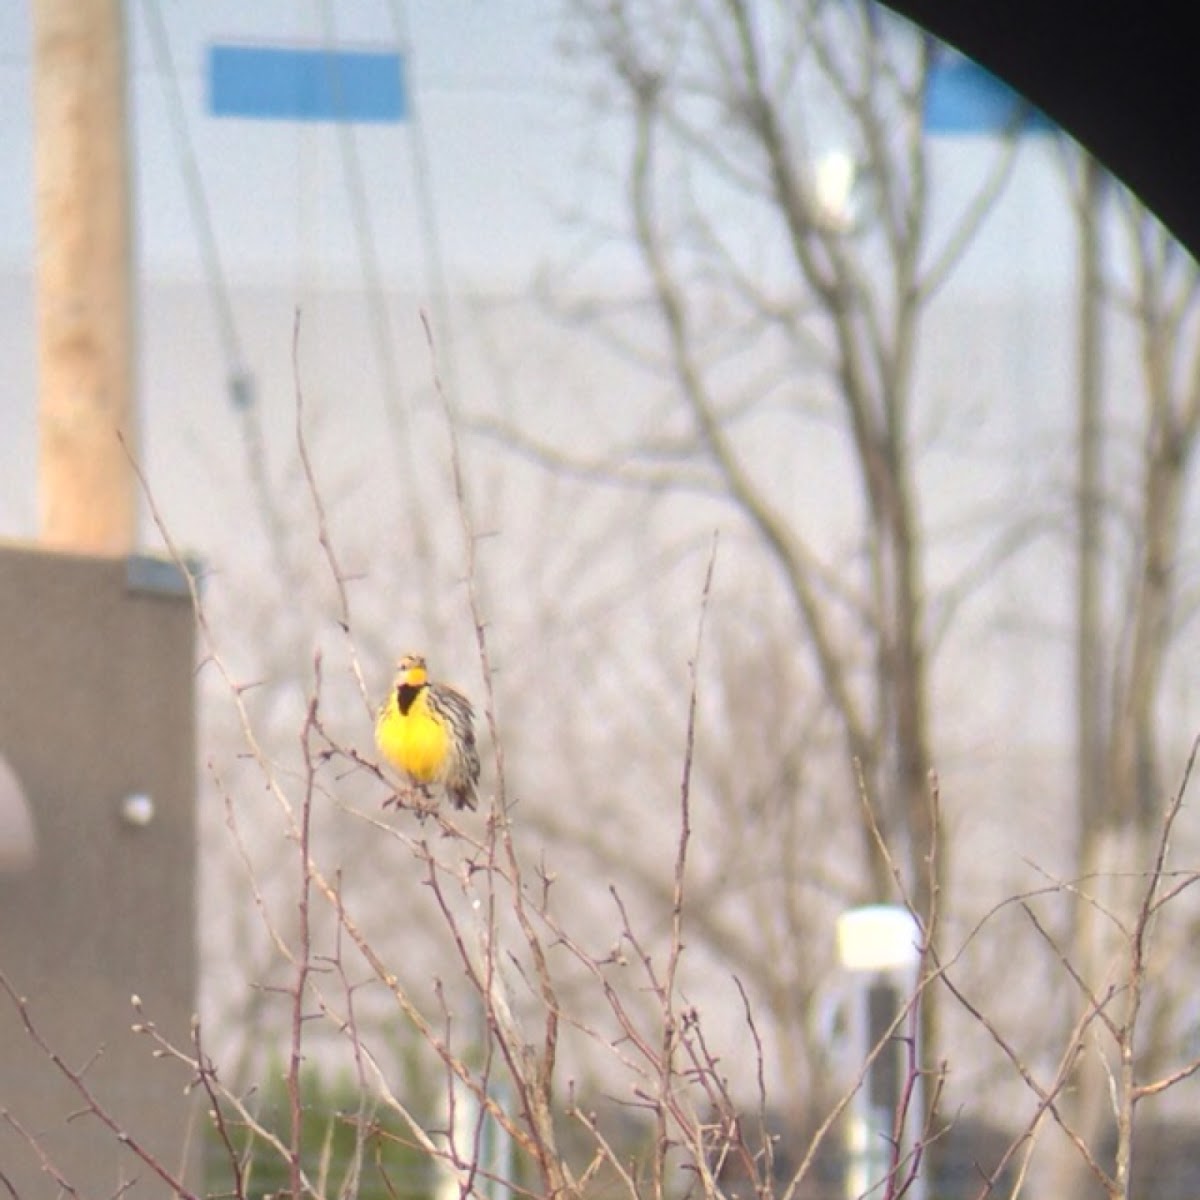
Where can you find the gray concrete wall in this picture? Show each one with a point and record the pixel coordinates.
(96, 704)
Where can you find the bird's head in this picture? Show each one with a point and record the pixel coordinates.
(411, 672)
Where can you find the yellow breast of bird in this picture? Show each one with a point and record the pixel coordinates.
(414, 741)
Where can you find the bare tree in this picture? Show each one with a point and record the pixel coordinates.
(545, 975)
(770, 296)
(494, 907)
(770, 194)
(1132, 524)
(1163, 302)
(1110, 1022)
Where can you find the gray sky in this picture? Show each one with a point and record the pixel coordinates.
(510, 148)
(497, 117)
(485, 82)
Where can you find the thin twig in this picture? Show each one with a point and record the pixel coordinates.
(97, 1108)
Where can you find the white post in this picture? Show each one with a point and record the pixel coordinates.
(878, 945)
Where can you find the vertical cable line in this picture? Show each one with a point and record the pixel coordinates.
(364, 230)
(240, 382)
(396, 410)
(435, 266)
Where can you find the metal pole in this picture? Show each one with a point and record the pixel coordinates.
(87, 492)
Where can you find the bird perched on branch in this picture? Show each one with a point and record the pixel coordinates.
(427, 731)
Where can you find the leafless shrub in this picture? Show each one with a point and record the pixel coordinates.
(532, 981)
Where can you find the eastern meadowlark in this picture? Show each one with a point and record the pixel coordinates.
(427, 731)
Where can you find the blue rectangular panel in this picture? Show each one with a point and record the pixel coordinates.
(289, 83)
(962, 97)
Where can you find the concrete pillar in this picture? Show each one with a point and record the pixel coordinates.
(87, 491)
(97, 707)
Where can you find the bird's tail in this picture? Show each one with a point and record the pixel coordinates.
(462, 795)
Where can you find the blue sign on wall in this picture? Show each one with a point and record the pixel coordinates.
(962, 97)
(291, 83)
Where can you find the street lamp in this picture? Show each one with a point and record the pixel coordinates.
(879, 946)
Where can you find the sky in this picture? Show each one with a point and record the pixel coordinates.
(509, 149)
(501, 145)
(496, 111)
(482, 78)
(485, 86)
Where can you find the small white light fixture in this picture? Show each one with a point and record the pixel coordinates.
(137, 810)
(878, 937)
(834, 176)
(18, 842)
(842, 192)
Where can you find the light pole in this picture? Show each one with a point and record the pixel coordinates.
(879, 946)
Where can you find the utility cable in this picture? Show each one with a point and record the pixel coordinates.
(241, 382)
(435, 267)
(394, 395)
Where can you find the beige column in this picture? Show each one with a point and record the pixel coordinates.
(87, 489)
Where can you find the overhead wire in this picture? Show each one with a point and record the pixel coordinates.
(364, 231)
(429, 229)
(430, 234)
(239, 378)
(240, 381)
(397, 409)
(435, 267)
